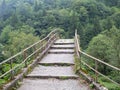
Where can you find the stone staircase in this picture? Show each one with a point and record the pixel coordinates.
(55, 70)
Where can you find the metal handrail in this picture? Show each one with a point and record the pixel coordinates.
(27, 48)
(49, 38)
(97, 60)
(99, 72)
(118, 69)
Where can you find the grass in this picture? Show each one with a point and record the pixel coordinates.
(56, 64)
(2, 81)
(77, 65)
(101, 80)
(111, 86)
(108, 84)
(91, 86)
(64, 77)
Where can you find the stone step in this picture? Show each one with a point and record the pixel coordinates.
(56, 64)
(47, 77)
(61, 51)
(55, 70)
(64, 41)
(70, 46)
(52, 84)
(58, 59)
(60, 72)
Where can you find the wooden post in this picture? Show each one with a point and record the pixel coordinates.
(77, 47)
(48, 41)
(57, 36)
(25, 55)
(11, 67)
(54, 38)
(96, 68)
(34, 48)
(38, 50)
(42, 44)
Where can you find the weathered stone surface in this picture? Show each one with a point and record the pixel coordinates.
(61, 51)
(52, 71)
(58, 58)
(64, 41)
(43, 76)
(69, 46)
(52, 84)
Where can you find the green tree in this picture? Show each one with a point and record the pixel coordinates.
(3, 8)
(5, 34)
(26, 29)
(1, 52)
(100, 47)
(114, 35)
(18, 41)
(14, 20)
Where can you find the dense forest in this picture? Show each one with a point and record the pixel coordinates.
(23, 22)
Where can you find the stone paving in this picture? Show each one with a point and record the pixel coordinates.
(61, 51)
(63, 46)
(52, 84)
(52, 71)
(55, 70)
(58, 59)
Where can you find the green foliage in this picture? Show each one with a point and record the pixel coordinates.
(77, 64)
(66, 14)
(2, 82)
(110, 85)
(16, 40)
(5, 34)
(6, 67)
(1, 52)
(106, 47)
(99, 47)
(64, 77)
(97, 22)
(91, 86)
(114, 35)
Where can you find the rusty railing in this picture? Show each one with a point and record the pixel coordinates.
(22, 59)
(95, 69)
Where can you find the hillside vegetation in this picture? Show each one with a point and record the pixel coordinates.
(23, 22)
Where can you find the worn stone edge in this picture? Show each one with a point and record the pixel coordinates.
(97, 85)
(20, 77)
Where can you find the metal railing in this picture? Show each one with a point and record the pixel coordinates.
(26, 56)
(95, 69)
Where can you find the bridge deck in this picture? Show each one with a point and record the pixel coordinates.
(55, 70)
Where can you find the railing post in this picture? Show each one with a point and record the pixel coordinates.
(25, 55)
(75, 43)
(42, 44)
(34, 49)
(37, 51)
(47, 43)
(49, 40)
(96, 68)
(57, 35)
(79, 54)
(77, 47)
(11, 67)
